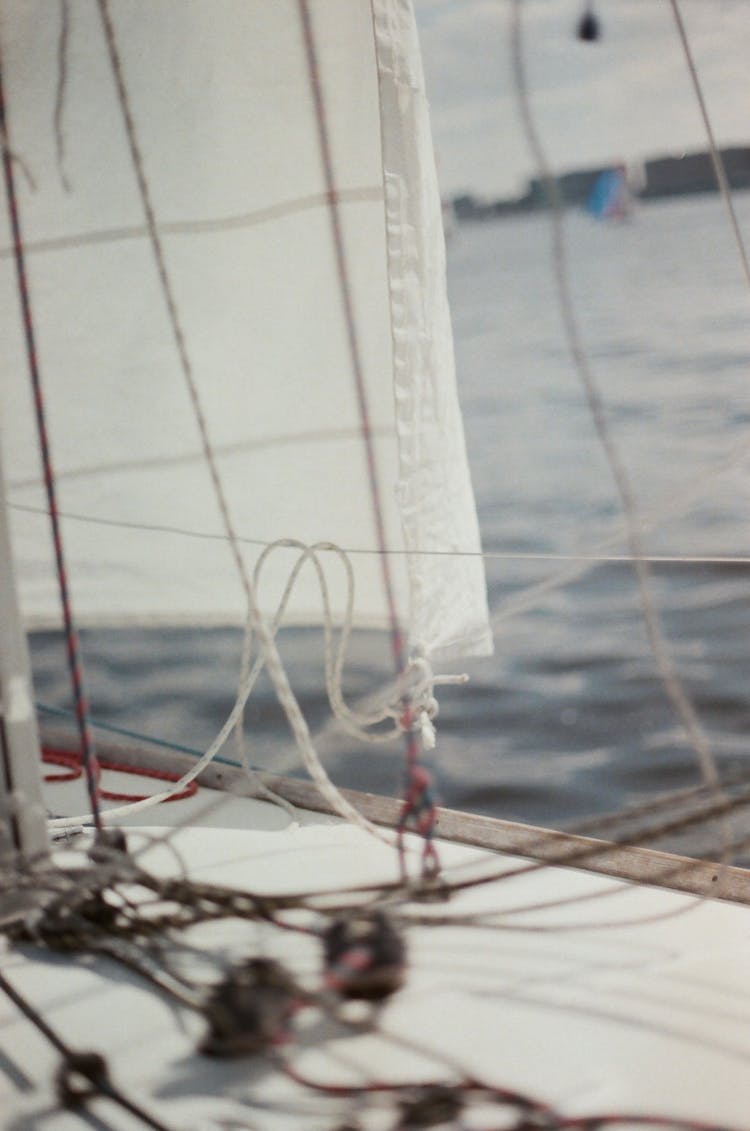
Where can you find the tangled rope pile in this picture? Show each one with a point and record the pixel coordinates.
(110, 906)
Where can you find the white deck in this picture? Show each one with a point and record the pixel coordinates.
(565, 1004)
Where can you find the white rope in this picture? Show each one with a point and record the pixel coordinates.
(356, 722)
(418, 683)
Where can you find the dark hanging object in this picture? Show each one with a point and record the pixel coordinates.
(365, 957)
(250, 1010)
(589, 28)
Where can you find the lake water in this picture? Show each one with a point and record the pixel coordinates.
(568, 717)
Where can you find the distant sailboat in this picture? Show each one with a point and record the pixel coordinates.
(610, 197)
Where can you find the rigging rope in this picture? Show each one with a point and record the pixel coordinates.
(416, 1103)
(668, 674)
(416, 683)
(62, 80)
(83, 1075)
(716, 159)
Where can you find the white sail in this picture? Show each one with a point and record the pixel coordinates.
(226, 125)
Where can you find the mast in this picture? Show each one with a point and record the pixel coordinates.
(22, 813)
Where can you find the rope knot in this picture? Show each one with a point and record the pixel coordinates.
(417, 709)
(418, 705)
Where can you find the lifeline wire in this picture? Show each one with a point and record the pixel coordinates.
(595, 556)
(88, 754)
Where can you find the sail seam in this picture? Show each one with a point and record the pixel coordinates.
(363, 195)
(223, 451)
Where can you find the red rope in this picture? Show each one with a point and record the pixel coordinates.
(72, 760)
(529, 1112)
(88, 755)
(413, 765)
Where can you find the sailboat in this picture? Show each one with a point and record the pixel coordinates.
(224, 267)
(610, 197)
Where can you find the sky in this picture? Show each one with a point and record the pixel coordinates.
(626, 97)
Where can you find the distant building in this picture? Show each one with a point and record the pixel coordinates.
(467, 207)
(694, 173)
(659, 177)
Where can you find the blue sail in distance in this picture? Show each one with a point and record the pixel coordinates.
(609, 198)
